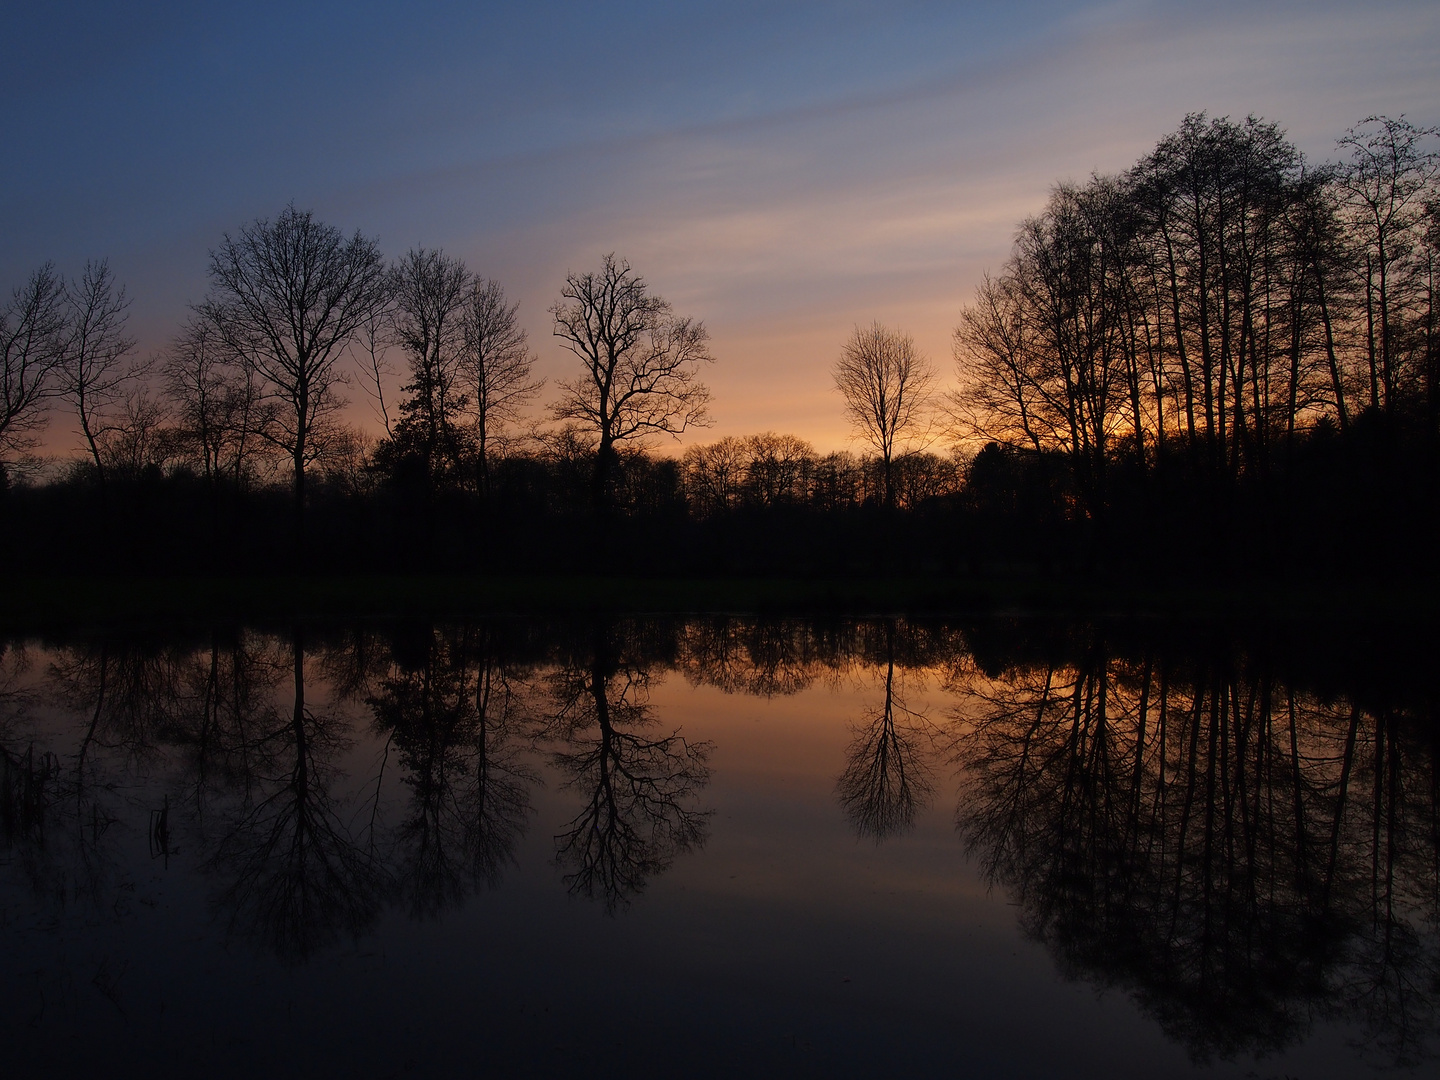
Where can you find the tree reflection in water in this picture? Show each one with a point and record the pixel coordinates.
(296, 879)
(888, 777)
(764, 657)
(454, 715)
(637, 785)
(1242, 856)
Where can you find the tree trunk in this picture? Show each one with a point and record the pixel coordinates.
(299, 492)
(601, 479)
(1335, 381)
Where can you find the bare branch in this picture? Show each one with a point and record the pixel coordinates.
(641, 362)
(95, 368)
(290, 296)
(886, 386)
(495, 367)
(32, 343)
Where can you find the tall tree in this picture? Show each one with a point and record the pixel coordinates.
(1384, 185)
(886, 386)
(95, 367)
(32, 344)
(641, 364)
(1321, 255)
(1212, 200)
(495, 368)
(1000, 396)
(1430, 263)
(1186, 323)
(429, 292)
(217, 402)
(289, 296)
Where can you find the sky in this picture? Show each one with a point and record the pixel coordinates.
(782, 171)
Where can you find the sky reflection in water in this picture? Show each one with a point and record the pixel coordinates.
(809, 848)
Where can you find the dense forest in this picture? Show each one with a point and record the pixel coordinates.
(1221, 361)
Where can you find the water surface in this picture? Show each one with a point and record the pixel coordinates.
(833, 848)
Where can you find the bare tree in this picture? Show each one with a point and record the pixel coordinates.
(888, 778)
(715, 474)
(495, 368)
(95, 368)
(641, 363)
(1002, 394)
(376, 369)
(777, 468)
(886, 385)
(1383, 187)
(289, 296)
(217, 402)
(139, 434)
(429, 292)
(32, 328)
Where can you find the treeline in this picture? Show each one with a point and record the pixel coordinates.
(1223, 360)
(1224, 341)
(764, 504)
(189, 453)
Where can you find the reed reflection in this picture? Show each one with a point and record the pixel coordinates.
(61, 796)
(1242, 856)
(637, 784)
(27, 775)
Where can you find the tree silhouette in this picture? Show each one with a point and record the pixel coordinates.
(887, 778)
(429, 291)
(455, 719)
(1383, 188)
(641, 364)
(636, 786)
(495, 369)
(95, 369)
(32, 346)
(886, 386)
(294, 877)
(289, 296)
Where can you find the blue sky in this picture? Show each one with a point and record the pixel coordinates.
(782, 171)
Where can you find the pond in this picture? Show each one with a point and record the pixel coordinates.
(714, 846)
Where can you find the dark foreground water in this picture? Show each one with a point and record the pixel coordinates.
(713, 847)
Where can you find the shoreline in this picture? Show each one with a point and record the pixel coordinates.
(50, 599)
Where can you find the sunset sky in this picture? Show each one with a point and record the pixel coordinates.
(782, 171)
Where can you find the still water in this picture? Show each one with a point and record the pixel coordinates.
(712, 847)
